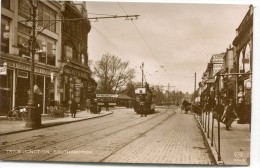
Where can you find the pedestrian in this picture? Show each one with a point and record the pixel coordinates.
(142, 105)
(106, 105)
(230, 114)
(88, 105)
(73, 108)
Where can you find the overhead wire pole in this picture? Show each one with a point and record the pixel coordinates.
(195, 83)
(142, 68)
(128, 17)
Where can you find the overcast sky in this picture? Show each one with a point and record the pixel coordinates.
(173, 40)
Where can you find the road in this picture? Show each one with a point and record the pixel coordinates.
(123, 137)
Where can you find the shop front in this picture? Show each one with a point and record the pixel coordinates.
(75, 85)
(14, 86)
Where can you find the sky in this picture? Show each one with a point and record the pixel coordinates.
(174, 40)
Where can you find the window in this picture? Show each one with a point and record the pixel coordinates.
(5, 4)
(23, 45)
(5, 26)
(70, 52)
(82, 59)
(24, 8)
(46, 54)
(50, 52)
(22, 40)
(48, 15)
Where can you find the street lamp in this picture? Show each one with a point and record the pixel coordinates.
(34, 117)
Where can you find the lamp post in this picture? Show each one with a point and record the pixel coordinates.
(34, 117)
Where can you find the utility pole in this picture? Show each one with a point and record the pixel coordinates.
(195, 84)
(142, 74)
(34, 119)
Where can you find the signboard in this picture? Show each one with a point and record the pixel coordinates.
(106, 95)
(217, 68)
(217, 58)
(3, 70)
(75, 72)
(140, 91)
(25, 67)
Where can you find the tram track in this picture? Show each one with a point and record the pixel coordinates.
(48, 143)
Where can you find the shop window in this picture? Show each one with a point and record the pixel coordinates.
(22, 88)
(6, 92)
(49, 92)
(5, 26)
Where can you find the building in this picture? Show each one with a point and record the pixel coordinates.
(61, 59)
(243, 60)
(15, 33)
(75, 74)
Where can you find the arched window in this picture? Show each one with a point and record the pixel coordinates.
(240, 63)
(247, 57)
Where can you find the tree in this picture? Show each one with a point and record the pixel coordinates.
(130, 89)
(112, 73)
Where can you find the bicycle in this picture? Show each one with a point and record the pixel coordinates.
(18, 113)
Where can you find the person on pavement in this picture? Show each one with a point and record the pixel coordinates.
(230, 114)
(88, 105)
(73, 108)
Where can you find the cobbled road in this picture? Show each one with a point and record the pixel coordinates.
(123, 137)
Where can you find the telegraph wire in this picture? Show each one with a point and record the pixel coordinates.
(108, 41)
(146, 43)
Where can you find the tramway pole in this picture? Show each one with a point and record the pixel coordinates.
(34, 117)
(142, 74)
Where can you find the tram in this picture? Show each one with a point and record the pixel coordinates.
(144, 100)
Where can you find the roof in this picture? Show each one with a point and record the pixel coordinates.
(124, 97)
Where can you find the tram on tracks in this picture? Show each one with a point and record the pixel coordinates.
(144, 100)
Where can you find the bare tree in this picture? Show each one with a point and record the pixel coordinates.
(112, 73)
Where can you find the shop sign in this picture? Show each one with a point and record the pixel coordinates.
(75, 72)
(3, 70)
(26, 67)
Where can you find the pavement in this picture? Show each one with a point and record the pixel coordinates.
(234, 144)
(8, 126)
